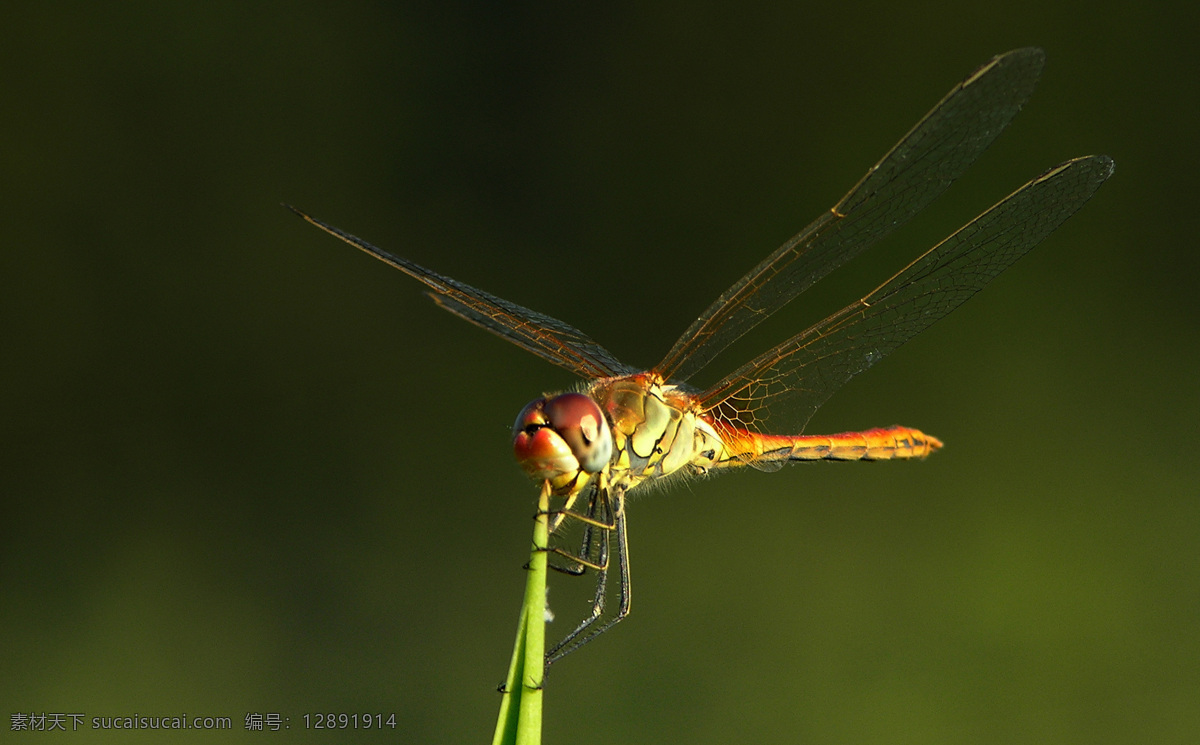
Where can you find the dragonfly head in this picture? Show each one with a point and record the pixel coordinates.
(556, 438)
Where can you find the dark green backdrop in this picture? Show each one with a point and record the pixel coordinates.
(246, 469)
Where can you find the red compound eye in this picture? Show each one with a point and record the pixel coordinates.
(562, 434)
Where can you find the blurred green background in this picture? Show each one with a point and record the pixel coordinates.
(246, 469)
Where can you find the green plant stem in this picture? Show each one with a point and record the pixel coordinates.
(520, 720)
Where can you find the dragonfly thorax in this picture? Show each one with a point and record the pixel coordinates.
(658, 429)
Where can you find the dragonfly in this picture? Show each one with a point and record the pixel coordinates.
(623, 427)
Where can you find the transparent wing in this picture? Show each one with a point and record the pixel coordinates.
(548, 338)
(919, 168)
(792, 380)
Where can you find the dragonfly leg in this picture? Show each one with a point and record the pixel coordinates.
(579, 565)
(585, 632)
(557, 517)
(593, 553)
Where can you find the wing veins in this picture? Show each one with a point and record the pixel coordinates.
(547, 337)
(812, 365)
(915, 171)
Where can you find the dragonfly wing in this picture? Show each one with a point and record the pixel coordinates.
(547, 337)
(795, 378)
(914, 172)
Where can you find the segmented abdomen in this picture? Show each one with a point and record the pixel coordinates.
(883, 443)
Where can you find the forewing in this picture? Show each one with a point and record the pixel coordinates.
(548, 338)
(919, 168)
(790, 382)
